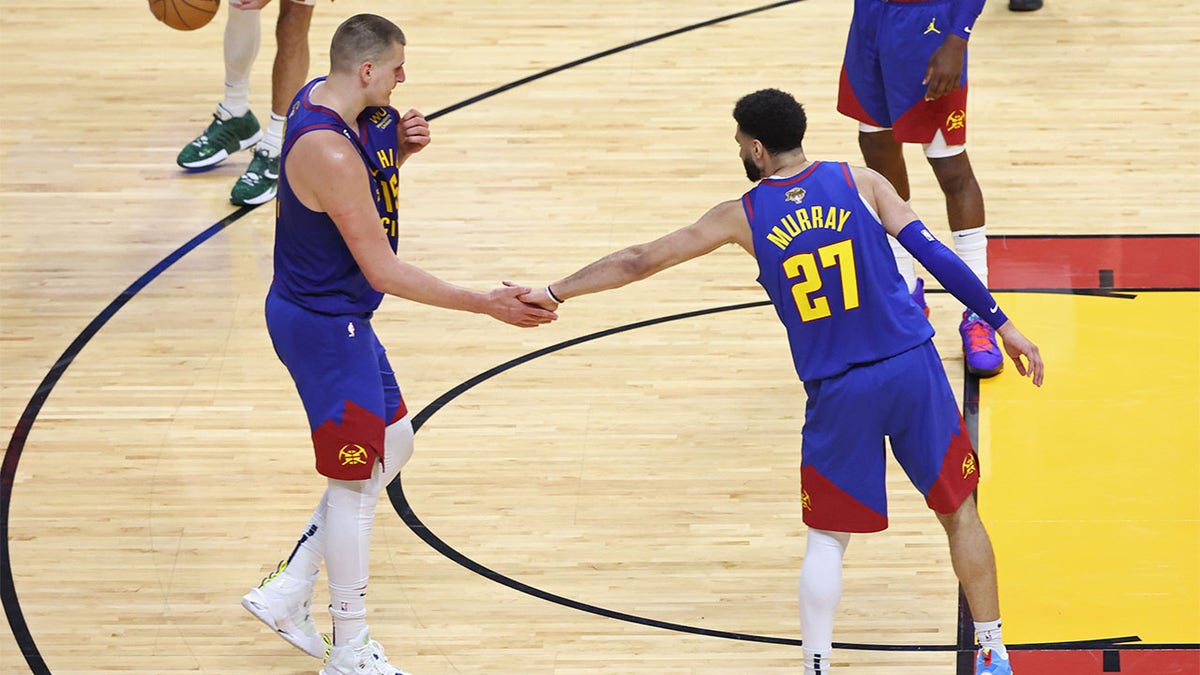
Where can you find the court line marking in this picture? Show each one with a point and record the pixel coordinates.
(404, 509)
(8, 595)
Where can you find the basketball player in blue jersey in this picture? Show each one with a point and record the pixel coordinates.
(904, 78)
(859, 342)
(335, 258)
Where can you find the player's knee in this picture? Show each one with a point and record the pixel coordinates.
(954, 174)
(291, 29)
(829, 538)
(882, 152)
(876, 137)
(398, 446)
(965, 514)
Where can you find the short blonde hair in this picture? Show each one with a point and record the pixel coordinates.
(362, 38)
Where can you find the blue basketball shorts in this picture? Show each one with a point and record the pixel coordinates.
(887, 54)
(843, 463)
(345, 382)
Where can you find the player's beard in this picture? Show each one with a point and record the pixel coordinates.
(752, 172)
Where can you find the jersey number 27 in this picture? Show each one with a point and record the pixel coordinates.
(809, 301)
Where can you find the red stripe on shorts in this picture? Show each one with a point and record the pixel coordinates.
(827, 507)
(959, 476)
(348, 451)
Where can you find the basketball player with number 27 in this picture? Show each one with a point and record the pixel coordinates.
(859, 342)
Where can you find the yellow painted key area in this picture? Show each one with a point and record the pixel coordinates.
(1091, 484)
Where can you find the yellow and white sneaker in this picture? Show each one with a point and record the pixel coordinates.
(361, 656)
(283, 604)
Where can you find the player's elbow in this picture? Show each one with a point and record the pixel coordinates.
(638, 263)
(379, 278)
(377, 282)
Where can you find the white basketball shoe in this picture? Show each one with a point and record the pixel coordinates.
(361, 656)
(283, 604)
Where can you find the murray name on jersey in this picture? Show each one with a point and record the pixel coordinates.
(807, 218)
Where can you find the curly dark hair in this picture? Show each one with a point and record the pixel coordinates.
(773, 117)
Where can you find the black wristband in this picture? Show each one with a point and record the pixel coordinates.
(552, 296)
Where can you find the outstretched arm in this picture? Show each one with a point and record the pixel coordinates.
(723, 224)
(902, 223)
(327, 175)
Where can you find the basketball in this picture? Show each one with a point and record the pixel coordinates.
(184, 14)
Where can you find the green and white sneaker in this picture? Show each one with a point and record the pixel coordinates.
(221, 139)
(260, 182)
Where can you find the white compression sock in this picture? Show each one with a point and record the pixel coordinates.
(989, 635)
(820, 591)
(273, 137)
(348, 521)
(971, 246)
(305, 562)
(242, 36)
(349, 516)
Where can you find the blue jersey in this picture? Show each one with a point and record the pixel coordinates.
(825, 262)
(313, 266)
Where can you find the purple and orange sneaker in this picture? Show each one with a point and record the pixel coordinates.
(989, 662)
(982, 354)
(918, 296)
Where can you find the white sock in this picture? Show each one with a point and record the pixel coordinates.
(820, 591)
(243, 33)
(348, 521)
(904, 263)
(971, 246)
(348, 607)
(989, 635)
(273, 138)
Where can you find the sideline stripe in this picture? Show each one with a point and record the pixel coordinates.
(1120, 262)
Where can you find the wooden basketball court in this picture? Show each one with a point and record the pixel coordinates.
(616, 492)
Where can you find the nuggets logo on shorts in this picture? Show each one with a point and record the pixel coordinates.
(968, 466)
(956, 120)
(352, 454)
(795, 195)
(805, 501)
